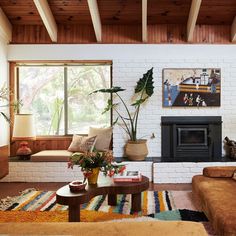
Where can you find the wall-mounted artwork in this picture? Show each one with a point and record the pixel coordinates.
(191, 87)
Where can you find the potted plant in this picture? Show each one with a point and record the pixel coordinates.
(93, 162)
(135, 149)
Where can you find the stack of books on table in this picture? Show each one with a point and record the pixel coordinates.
(128, 176)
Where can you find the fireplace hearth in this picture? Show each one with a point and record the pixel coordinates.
(191, 138)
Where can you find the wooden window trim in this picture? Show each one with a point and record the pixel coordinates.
(13, 84)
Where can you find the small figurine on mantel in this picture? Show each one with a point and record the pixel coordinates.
(230, 147)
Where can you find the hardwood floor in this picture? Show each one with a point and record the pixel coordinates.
(177, 187)
(13, 189)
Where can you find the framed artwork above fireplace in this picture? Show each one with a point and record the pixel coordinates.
(191, 87)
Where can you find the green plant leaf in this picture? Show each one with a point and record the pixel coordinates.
(139, 101)
(146, 83)
(5, 116)
(109, 90)
(109, 106)
(115, 121)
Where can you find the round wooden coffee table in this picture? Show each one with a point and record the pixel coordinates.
(104, 186)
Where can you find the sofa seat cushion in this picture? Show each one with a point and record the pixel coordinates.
(51, 155)
(219, 171)
(218, 201)
(158, 228)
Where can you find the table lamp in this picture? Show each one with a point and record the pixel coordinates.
(24, 130)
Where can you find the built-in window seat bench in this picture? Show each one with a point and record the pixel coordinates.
(51, 156)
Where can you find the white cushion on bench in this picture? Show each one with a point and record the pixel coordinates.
(51, 155)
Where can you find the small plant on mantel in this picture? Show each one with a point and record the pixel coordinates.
(136, 149)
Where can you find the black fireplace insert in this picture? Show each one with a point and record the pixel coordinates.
(191, 138)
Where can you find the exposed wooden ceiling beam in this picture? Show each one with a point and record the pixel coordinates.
(5, 27)
(144, 21)
(97, 25)
(192, 18)
(233, 31)
(47, 18)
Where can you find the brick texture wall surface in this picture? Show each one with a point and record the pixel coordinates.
(127, 72)
(129, 64)
(58, 171)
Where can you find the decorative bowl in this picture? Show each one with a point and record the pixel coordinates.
(77, 185)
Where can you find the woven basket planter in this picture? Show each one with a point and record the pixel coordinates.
(136, 150)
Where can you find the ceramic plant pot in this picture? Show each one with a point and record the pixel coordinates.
(93, 178)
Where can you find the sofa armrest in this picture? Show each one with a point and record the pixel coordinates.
(219, 171)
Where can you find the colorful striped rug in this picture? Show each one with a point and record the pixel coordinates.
(162, 205)
(32, 200)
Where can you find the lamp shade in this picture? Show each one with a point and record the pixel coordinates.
(24, 128)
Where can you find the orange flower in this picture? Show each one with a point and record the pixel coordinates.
(87, 173)
(111, 173)
(122, 169)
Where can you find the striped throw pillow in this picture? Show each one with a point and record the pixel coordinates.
(82, 143)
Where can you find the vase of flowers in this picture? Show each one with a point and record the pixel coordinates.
(92, 163)
(93, 175)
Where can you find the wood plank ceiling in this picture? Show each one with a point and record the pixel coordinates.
(122, 21)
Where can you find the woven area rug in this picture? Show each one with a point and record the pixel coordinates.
(163, 205)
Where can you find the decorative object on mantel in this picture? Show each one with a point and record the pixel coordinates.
(230, 147)
(135, 149)
(93, 162)
(24, 129)
(191, 87)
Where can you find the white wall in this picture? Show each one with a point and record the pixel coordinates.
(131, 61)
(3, 80)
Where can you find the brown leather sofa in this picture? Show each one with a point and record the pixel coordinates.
(215, 193)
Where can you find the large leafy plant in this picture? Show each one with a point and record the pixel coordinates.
(143, 90)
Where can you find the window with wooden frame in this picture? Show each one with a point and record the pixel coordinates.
(59, 95)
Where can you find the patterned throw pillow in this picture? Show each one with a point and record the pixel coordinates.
(82, 143)
(234, 176)
(103, 137)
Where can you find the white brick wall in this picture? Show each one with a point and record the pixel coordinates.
(131, 61)
(58, 171)
(41, 172)
(177, 172)
(150, 116)
(181, 172)
(3, 81)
